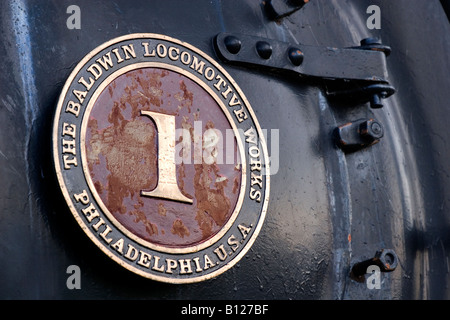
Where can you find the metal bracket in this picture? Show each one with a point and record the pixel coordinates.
(357, 72)
(278, 9)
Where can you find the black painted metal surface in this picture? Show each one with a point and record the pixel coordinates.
(327, 211)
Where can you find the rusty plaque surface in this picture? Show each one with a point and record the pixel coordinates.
(160, 158)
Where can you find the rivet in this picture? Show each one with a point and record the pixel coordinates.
(369, 41)
(296, 56)
(264, 49)
(232, 44)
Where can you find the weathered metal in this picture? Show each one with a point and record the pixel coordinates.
(327, 208)
(356, 73)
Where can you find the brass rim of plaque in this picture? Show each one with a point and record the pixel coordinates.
(196, 248)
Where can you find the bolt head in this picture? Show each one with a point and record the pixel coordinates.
(371, 129)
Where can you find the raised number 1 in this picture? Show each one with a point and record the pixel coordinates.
(167, 186)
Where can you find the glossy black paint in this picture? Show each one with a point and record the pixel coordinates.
(327, 211)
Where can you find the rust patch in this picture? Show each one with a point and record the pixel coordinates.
(179, 228)
(212, 203)
(161, 210)
(121, 150)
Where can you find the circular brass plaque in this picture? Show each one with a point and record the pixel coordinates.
(160, 158)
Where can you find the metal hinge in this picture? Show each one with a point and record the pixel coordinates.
(358, 73)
